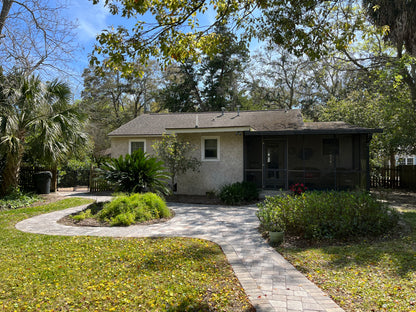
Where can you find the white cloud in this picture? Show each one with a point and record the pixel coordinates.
(91, 19)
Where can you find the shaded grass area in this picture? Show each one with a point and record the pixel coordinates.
(17, 200)
(54, 273)
(367, 275)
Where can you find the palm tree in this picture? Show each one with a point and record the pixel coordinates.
(38, 117)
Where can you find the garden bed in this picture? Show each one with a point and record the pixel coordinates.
(95, 222)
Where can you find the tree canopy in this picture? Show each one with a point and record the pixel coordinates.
(177, 29)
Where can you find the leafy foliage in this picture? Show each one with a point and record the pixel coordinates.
(239, 193)
(210, 84)
(398, 16)
(333, 215)
(175, 154)
(368, 275)
(112, 99)
(126, 210)
(271, 217)
(17, 199)
(169, 274)
(39, 118)
(389, 108)
(137, 172)
(300, 26)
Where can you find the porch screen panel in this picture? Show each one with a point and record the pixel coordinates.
(253, 160)
(275, 169)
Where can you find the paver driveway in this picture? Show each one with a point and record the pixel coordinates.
(269, 280)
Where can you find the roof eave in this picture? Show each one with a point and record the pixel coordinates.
(208, 130)
(315, 131)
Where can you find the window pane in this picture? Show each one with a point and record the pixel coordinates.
(134, 146)
(410, 161)
(211, 148)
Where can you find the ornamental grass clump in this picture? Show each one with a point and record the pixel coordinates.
(333, 215)
(126, 210)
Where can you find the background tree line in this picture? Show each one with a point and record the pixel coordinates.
(335, 60)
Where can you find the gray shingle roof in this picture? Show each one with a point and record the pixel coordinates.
(279, 121)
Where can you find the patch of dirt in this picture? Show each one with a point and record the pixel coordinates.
(402, 200)
(48, 198)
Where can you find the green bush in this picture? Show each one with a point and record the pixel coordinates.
(333, 215)
(126, 210)
(239, 193)
(137, 172)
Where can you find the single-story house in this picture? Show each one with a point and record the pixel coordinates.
(273, 149)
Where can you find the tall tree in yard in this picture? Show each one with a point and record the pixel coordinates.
(38, 117)
(112, 98)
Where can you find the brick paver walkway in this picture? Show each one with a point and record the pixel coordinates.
(271, 282)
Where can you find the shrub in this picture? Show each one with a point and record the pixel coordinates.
(137, 172)
(17, 199)
(333, 215)
(238, 193)
(126, 210)
(82, 215)
(270, 218)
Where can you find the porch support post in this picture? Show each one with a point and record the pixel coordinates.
(367, 152)
(263, 186)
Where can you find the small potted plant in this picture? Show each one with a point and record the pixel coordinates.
(271, 220)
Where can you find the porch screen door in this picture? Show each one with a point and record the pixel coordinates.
(275, 165)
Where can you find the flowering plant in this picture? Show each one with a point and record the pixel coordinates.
(298, 188)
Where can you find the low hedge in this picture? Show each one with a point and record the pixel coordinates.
(239, 193)
(332, 215)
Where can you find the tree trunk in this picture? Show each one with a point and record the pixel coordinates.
(11, 172)
(7, 4)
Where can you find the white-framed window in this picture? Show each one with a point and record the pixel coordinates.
(410, 161)
(134, 145)
(210, 148)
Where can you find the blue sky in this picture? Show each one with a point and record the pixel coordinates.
(91, 20)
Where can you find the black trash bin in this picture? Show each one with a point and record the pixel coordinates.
(42, 181)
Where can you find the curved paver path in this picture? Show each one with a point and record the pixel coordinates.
(271, 282)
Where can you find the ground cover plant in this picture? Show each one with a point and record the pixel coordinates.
(366, 275)
(17, 199)
(54, 273)
(127, 209)
(332, 215)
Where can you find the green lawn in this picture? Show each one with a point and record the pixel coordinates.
(54, 273)
(364, 276)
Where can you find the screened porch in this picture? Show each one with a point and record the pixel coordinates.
(320, 161)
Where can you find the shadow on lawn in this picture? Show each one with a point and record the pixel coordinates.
(397, 253)
(394, 254)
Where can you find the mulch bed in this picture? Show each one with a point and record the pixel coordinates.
(193, 199)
